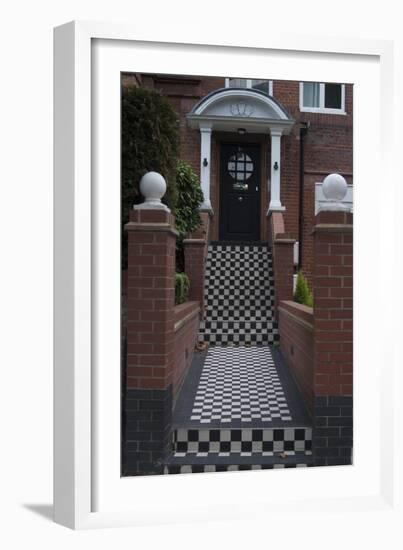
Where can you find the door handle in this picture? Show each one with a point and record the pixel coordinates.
(240, 199)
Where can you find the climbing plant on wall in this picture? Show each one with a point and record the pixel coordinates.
(187, 210)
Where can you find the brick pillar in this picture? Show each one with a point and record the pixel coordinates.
(283, 259)
(147, 414)
(195, 248)
(333, 338)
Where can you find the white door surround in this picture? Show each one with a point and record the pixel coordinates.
(205, 160)
(247, 111)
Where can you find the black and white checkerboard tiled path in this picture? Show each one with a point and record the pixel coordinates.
(239, 414)
(239, 383)
(238, 295)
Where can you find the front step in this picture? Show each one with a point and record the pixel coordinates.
(244, 441)
(238, 332)
(239, 295)
(183, 465)
(221, 450)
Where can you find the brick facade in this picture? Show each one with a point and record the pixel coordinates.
(327, 148)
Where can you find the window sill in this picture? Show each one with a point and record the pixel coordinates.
(322, 111)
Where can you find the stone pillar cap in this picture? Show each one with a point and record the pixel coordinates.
(334, 188)
(153, 187)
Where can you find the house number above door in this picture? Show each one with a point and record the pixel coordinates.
(241, 109)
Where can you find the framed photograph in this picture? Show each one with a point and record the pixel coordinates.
(234, 367)
(204, 317)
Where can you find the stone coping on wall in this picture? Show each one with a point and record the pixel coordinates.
(194, 241)
(152, 227)
(283, 239)
(334, 219)
(332, 227)
(183, 313)
(301, 313)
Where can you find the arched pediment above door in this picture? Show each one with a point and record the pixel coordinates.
(227, 109)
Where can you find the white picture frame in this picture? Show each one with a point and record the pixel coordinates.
(88, 490)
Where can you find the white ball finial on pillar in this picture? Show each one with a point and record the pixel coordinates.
(334, 188)
(153, 187)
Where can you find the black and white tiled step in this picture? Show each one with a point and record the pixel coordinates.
(239, 295)
(245, 441)
(219, 450)
(182, 465)
(219, 332)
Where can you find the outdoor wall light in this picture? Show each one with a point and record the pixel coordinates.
(275, 165)
(241, 131)
(205, 162)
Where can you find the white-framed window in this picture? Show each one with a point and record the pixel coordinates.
(322, 97)
(256, 84)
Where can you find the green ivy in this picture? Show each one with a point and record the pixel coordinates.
(182, 286)
(302, 294)
(150, 141)
(187, 213)
(190, 197)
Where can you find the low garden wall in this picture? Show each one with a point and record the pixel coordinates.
(296, 326)
(195, 251)
(318, 343)
(282, 246)
(186, 319)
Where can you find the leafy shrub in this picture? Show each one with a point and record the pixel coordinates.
(150, 141)
(302, 293)
(187, 214)
(182, 286)
(190, 197)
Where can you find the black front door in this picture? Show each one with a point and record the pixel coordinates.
(239, 184)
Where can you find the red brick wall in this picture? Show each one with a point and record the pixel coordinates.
(296, 344)
(318, 347)
(195, 249)
(333, 304)
(318, 343)
(283, 259)
(160, 342)
(308, 223)
(150, 299)
(186, 327)
(287, 93)
(160, 336)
